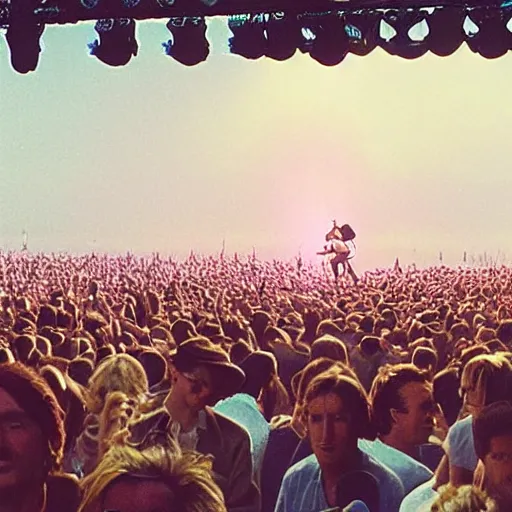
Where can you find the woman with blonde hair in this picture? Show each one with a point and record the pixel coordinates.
(118, 373)
(487, 378)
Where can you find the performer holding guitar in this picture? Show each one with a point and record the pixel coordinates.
(341, 248)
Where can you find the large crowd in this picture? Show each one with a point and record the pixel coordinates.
(227, 383)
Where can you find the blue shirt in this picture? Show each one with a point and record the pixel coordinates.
(411, 472)
(302, 489)
(243, 409)
(420, 499)
(460, 446)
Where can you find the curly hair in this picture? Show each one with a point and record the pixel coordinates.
(34, 396)
(466, 498)
(120, 372)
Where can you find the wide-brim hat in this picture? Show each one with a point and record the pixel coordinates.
(199, 351)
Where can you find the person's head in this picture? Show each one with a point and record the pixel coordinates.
(31, 429)
(331, 347)
(402, 403)
(154, 365)
(492, 432)
(466, 498)
(300, 382)
(335, 415)
(239, 351)
(425, 358)
(119, 372)
(262, 381)
(485, 379)
(202, 374)
(446, 393)
(504, 332)
(129, 480)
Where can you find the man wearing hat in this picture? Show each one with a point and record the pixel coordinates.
(201, 375)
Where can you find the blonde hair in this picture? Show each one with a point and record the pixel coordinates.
(487, 375)
(466, 498)
(120, 372)
(188, 476)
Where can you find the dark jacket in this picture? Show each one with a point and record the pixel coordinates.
(225, 440)
(63, 494)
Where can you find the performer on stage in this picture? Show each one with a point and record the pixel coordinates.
(338, 239)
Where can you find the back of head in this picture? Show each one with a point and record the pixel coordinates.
(446, 393)
(154, 365)
(467, 498)
(469, 353)
(239, 351)
(187, 476)
(370, 345)
(120, 372)
(504, 332)
(331, 347)
(81, 370)
(425, 359)
(259, 368)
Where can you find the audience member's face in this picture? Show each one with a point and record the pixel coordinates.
(417, 423)
(328, 422)
(498, 468)
(138, 495)
(195, 387)
(474, 400)
(21, 446)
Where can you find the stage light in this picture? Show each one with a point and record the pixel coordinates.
(488, 31)
(409, 33)
(283, 35)
(23, 35)
(189, 45)
(117, 43)
(248, 39)
(324, 37)
(23, 38)
(446, 30)
(362, 29)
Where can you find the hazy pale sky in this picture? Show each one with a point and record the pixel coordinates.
(415, 155)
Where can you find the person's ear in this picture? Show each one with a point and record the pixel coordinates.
(173, 372)
(394, 415)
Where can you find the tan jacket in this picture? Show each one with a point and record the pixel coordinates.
(225, 440)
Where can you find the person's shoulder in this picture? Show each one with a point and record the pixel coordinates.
(460, 428)
(307, 466)
(226, 425)
(380, 471)
(146, 422)
(384, 454)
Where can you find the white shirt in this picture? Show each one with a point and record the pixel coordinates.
(188, 440)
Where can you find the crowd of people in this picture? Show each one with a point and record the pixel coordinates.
(214, 384)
